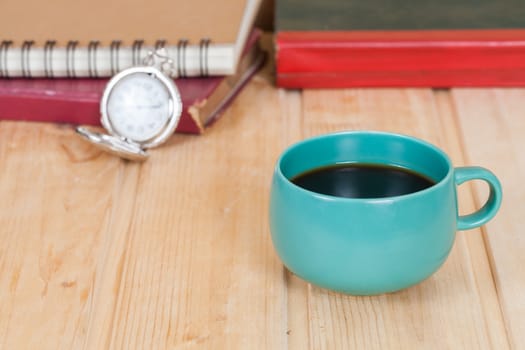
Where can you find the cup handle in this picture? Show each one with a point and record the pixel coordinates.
(490, 208)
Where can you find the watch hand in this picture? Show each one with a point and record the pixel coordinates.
(152, 106)
(145, 106)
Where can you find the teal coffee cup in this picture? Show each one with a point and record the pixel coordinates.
(366, 246)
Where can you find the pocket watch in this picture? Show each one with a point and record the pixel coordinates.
(140, 109)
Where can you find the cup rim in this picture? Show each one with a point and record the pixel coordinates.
(312, 139)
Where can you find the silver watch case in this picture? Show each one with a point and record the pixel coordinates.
(125, 147)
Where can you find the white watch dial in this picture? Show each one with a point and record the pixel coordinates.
(138, 107)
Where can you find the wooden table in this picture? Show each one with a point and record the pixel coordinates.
(96, 252)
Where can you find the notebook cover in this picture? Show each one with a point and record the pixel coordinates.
(338, 43)
(125, 20)
(82, 38)
(77, 101)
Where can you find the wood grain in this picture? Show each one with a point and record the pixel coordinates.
(57, 202)
(443, 312)
(100, 253)
(492, 129)
(200, 270)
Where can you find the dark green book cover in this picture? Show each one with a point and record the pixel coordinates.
(343, 15)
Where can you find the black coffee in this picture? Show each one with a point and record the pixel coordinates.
(361, 180)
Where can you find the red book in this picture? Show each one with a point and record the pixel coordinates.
(77, 101)
(339, 43)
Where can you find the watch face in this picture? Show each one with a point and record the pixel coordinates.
(138, 106)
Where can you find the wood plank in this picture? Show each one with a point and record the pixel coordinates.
(96, 252)
(492, 126)
(444, 311)
(297, 291)
(200, 270)
(58, 195)
(474, 239)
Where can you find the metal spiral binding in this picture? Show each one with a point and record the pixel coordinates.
(70, 58)
(4, 49)
(160, 44)
(136, 48)
(48, 58)
(160, 57)
(92, 58)
(179, 69)
(181, 58)
(114, 51)
(24, 58)
(203, 57)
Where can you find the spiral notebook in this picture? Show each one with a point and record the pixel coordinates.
(77, 101)
(97, 38)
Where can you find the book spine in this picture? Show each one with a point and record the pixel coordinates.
(404, 59)
(84, 111)
(73, 61)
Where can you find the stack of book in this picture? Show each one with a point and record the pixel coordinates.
(340, 43)
(56, 59)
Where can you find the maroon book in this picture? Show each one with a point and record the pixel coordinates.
(338, 43)
(77, 101)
